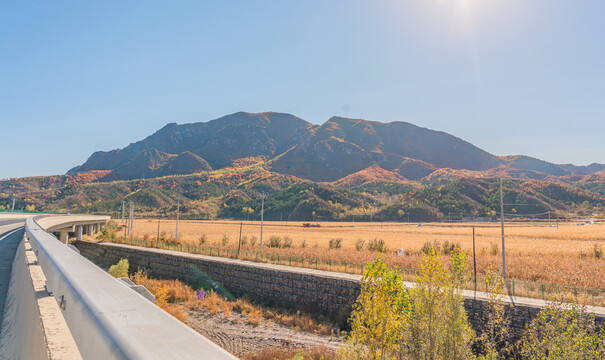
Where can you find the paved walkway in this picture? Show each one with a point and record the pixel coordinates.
(11, 234)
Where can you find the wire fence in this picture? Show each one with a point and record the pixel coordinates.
(522, 288)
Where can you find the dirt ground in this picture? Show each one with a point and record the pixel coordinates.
(237, 337)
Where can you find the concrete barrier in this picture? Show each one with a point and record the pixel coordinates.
(33, 326)
(107, 319)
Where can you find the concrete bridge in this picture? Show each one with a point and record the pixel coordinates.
(55, 304)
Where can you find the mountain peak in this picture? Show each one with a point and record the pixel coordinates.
(338, 148)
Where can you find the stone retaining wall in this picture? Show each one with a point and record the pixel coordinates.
(305, 289)
(314, 291)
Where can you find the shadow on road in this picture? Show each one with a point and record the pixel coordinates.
(9, 241)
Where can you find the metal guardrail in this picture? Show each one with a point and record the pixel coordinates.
(107, 319)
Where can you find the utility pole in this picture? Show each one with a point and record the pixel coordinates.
(474, 262)
(262, 218)
(158, 238)
(123, 212)
(178, 208)
(13, 208)
(130, 219)
(502, 227)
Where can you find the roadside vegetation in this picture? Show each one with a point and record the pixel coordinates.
(429, 321)
(176, 298)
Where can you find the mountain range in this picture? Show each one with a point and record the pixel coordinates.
(290, 145)
(344, 169)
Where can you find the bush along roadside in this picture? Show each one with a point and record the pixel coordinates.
(429, 321)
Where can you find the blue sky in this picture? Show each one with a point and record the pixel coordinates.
(510, 76)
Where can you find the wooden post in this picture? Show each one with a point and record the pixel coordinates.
(262, 218)
(239, 246)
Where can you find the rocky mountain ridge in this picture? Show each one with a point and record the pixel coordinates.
(334, 150)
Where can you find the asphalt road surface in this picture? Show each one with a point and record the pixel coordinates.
(11, 234)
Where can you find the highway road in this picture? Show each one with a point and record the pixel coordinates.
(11, 234)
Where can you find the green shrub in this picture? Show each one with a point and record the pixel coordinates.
(377, 245)
(335, 243)
(495, 249)
(423, 323)
(438, 327)
(379, 315)
(598, 251)
(110, 230)
(275, 241)
(287, 242)
(225, 240)
(495, 339)
(201, 240)
(359, 244)
(120, 269)
(429, 247)
(448, 248)
(563, 331)
(253, 240)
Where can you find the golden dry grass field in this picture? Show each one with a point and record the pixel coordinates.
(566, 254)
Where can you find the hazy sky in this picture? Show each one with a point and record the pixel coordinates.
(510, 76)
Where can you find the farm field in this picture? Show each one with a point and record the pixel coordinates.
(563, 254)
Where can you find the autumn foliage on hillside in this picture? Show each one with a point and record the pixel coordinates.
(372, 193)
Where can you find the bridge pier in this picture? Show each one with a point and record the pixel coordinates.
(89, 229)
(79, 230)
(64, 236)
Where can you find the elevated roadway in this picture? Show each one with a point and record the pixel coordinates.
(11, 234)
(55, 304)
